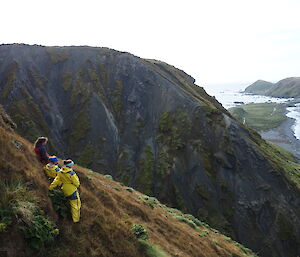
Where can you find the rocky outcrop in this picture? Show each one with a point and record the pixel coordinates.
(147, 123)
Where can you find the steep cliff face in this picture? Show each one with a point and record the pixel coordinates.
(147, 123)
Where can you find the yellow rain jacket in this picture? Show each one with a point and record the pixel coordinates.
(51, 170)
(69, 182)
(67, 179)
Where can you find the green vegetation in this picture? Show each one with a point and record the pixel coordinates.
(146, 169)
(60, 203)
(108, 177)
(6, 216)
(152, 250)
(202, 191)
(164, 164)
(150, 201)
(139, 232)
(67, 80)
(87, 155)
(80, 92)
(262, 116)
(179, 200)
(10, 78)
(80, 127)
(17, 201)
(39, 80)
(117, 99)
(185, 220)
(173, 129)
(259, 87)
(40, 232)
(285, 228)
(29, 119)
(57, 54)
(282, 161)
(206, 161)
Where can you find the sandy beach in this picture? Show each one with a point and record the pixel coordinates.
(283, 136)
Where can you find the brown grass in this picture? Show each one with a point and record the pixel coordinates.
(108, 212)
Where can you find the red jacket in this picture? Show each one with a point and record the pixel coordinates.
(42, 154)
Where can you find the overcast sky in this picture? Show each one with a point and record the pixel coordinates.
(215, 41)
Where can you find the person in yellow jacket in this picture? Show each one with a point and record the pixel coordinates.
(51, 169)
(69, 182)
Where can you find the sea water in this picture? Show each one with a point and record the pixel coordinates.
(294, 113)
(232, 95)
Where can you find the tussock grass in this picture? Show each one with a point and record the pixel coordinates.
(152, 250)
(107, 217)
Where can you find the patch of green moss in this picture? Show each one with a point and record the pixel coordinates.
(206, 161)
(38, 80)
(10, 79)
(165, 122)
(67, 80)
(117, 99)
(174, 130)
(179, 201)
(125, 178)
(29, 119)
(285, 228)
(146, 169)
(83, 87)
(281, 160)
(80, 128)
(202, 191)
(57, 54)
(104, 74)
(87, 155)
(163, 163)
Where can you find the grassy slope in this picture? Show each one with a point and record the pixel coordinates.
(282, 161)
(109, 210)
(259, 87)
(262, 116)
(258, 116)
(289, 87)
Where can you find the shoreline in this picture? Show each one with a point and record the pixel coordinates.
(283, 135)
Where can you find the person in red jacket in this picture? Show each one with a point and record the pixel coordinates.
(40, 149)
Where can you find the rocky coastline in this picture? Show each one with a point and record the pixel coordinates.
(283, 135)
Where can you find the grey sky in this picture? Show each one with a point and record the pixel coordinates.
(215, 41)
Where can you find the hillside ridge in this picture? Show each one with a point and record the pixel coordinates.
(151, 127)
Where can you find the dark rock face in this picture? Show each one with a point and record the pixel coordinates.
(147, 123)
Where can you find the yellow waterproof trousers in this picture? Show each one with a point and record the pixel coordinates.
(75, 208)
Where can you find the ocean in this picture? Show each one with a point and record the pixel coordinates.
(231, 95)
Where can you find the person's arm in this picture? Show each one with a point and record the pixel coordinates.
(56, 182)
(75, 180)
